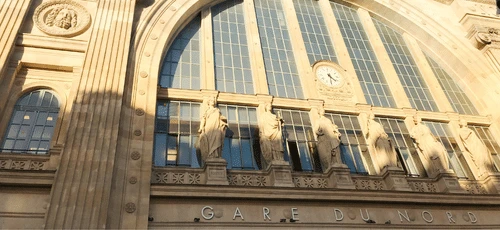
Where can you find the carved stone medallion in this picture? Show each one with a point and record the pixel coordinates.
(332, 83)
(61, 18)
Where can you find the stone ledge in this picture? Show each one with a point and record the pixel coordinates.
(27, 177)
(301, 194)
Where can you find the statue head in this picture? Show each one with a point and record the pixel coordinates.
(417, 119)
(463, 123)
(321, 112)
(64, 18)
(268, 107)
(211, 101)
(371, 116)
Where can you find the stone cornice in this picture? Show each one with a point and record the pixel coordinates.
(491, 2)
(271, 193)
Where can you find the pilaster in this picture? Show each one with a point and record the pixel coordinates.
(299, 50)
(12, 14)
(81, 191)
(385, 62)
(207, 49)
(254, 48)
(428, 75)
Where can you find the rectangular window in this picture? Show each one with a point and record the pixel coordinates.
(443, 134)
(400, 138)
(413, 83)
(281, 71)
(176, 133)
(231, 57)
(363, 57)
(353, 145)
(238, 143)
(456, 96)
(299, 138)
(314, 31)
(485, 135)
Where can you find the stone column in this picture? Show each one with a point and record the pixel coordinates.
(487, 39)
(12, 15)
(81, 191)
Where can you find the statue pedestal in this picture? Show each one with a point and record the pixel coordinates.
(395, 179)
(280, 173)
(340, 177)
(492, 182)
(215, 171)
(447, 181)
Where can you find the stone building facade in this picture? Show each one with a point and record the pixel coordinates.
(249, 113)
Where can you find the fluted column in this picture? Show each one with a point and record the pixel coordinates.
(81, 190)
(12, 13)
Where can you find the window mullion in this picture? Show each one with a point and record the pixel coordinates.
(207, 51)
(437, 92)
(385, 62)
(254, 49)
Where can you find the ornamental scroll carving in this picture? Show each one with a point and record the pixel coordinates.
(485, 36)
(341, 94)
(63, 18)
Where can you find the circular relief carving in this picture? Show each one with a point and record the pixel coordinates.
(135, 156)
(142, 92)
(132, 180)
(143, 74)
(130, 207)
(61, 18)
(137, 132)
(139, 112)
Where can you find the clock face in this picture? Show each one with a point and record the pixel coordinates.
(329, 76)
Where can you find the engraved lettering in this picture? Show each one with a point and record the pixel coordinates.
(427, 216)
(295, 214)
(266, 212)
(472, 216)
(339, 216)
(367, 215)
(450, 217)
(210, 213)
(405, 216)
(237, 213)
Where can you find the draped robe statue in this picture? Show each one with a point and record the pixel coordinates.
(270, 135)
(433, 152)
(328, 145)
(476, 149)
(212, 131)
(378, 140)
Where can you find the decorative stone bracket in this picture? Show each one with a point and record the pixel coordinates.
(484, 38)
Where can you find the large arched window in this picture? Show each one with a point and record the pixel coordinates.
(279, 45)
(32, 123)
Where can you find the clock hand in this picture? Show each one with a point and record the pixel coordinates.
(330, 76)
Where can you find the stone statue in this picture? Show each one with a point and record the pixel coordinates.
(212, 131)
(433, 152)
(380, 143)
(328, 145)
(270, 135)
(476, 149)
(62, 17)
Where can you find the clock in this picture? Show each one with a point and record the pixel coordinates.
(329, 76)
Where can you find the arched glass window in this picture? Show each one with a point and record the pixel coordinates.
(314, 31)
(236, 27)
(413, 83)
(281, 70)
(363, 57)
(233, 72)
(181, 67)
(32, 123)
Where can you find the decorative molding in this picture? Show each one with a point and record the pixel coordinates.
(447, 2)
(62, 18)
(491, 2)
(23, 162)
(484, 37)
